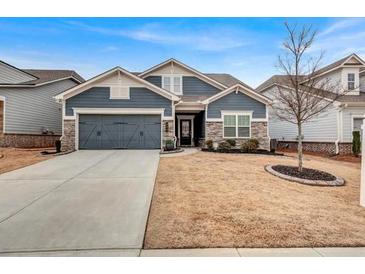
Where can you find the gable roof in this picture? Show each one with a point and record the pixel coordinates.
(43, 76)
(238, 87)
(338, 64)
(48, 75)
(199, 74)
(87, 84)
(276, 79)
(19, 70)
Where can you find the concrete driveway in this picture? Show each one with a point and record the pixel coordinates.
(86, 200)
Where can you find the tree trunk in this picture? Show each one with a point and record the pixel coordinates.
(300, 148)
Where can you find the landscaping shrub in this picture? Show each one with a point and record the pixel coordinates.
(224, 145)
(250, 145)
(232, 142)
(169, 144)
(356, 143)
(209, 143)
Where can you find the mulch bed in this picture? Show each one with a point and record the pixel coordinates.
(307, 173)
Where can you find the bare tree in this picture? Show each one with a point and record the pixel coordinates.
(302, 96)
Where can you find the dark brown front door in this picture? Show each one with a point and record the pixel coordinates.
(185, 132)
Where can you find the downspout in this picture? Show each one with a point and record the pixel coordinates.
(339, 128)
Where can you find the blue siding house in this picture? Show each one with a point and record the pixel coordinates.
(119, 109)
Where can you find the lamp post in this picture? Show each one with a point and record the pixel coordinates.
(362, 182)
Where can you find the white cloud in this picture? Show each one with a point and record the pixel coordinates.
(340, 25)
(214, 39)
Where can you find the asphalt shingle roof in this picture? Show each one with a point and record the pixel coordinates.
(47, 75)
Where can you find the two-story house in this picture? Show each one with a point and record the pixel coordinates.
(29, 116)
(139, 110)
(331, 131)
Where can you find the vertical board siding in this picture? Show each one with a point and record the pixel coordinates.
(28, 110)
(9, 75)
(193, 86)
(99, 97)
(156, 80)
(239, 102)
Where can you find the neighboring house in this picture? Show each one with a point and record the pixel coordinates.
(331, 131)
(120, 109)
(29, 116)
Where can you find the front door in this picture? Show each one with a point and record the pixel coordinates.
(185, 132)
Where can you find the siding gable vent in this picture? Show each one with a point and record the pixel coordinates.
(119, 92)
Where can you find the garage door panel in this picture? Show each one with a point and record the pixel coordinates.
(111, 131)
(88, 132)
(119, 131)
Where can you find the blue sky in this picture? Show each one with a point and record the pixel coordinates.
(244, 47)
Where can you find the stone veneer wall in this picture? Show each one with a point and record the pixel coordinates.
(68, 138)
(167, 129)
(320, 147)
(214, 131)
(28, 140)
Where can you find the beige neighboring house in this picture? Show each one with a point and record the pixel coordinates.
(331, 131)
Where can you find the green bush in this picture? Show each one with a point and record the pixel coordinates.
(356, 143)
(209, 143)
(224, 145)
(232, 142)
(250, 145)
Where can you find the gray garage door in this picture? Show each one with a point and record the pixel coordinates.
(119, 131)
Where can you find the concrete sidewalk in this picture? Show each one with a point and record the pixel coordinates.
(203, 252)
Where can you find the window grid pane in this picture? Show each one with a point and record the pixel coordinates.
(229, 131)
(230, 120)
(351, 77)
(167, 83)
(244, 132)
(243, 120)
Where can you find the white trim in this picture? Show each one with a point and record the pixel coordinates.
(242, 89)
(356, 116)
(196, 72)
(88, 84)
(186, 117)
(237, 113)
(171, 76)
(41, 84)
(3, 99)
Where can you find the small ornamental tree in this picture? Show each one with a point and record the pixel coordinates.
(302, 96)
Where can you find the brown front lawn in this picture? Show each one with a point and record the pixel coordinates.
(229, 200)
(14, 158)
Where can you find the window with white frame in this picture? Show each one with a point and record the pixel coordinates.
(172, 83)
(351, 81)
(236, 125)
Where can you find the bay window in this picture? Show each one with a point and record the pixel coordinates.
(236, 125)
